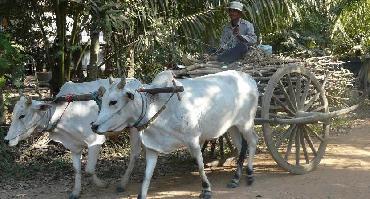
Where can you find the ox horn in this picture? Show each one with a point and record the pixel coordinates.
(101, 91)
(122, 83)
(20, 92)
(28, 100)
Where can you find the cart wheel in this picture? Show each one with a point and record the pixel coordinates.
(291, 92)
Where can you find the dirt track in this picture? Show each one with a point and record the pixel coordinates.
(343, 173)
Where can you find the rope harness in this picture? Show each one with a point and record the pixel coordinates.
(155, 116)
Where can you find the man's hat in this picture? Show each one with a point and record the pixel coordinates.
(236, 5)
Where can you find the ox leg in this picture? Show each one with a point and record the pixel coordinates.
(151, 161)
(196, 152)
(76, 159)
(235, 181)
(135, 145)
(252, 140)
(92, 158)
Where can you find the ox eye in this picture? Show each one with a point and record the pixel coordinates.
(111, 103)
(21, 117)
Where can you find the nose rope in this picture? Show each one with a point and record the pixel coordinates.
(54, 125)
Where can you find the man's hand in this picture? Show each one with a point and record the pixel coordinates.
(236, 31)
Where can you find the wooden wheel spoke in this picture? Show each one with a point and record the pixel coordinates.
(298, 91)
(284, 136)
(304, 149)
(291, 91)
(312, 101)
(308, 129)
(297, 147)
(309, 141)
(290, 143)
(287, 97)
(305, 92)
(283, 105)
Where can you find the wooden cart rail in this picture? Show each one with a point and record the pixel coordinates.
(307, 117)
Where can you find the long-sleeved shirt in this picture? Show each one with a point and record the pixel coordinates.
(246, 30)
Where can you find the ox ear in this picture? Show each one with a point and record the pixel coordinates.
(28, 100)
(101, 91)
(130, 95)
(41, 107)
(121, 84)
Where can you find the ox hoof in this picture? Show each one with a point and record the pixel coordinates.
(250, 181)
(205, 194)
(232, 184)
(139, 196)
(120, 189)
(73, 196)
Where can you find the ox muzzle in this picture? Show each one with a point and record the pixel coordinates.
(94, 128)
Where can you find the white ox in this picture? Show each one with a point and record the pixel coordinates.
(209, 106)
(73, 129)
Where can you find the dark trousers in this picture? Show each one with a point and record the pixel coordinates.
(233, 54)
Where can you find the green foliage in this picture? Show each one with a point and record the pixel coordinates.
(313, 27)
(11, 60)
(352, 34)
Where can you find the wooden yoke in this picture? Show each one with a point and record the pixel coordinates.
(70, 98)
(173, 89)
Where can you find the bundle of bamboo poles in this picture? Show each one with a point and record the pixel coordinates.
(338, 81)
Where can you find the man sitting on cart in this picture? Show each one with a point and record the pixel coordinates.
(237, 36)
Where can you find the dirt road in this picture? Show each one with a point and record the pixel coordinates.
(343, 173)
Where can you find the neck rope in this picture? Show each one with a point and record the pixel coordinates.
(144, 108)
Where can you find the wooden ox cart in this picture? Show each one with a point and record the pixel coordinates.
(293, 106)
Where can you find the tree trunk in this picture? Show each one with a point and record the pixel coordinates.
(92, 70)
(2, 109)
(131, 68)
(39, 18)
(58, 70)
(117, 53)
(72, 43)
(78, 72)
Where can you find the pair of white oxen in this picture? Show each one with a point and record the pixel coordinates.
(209, 106)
